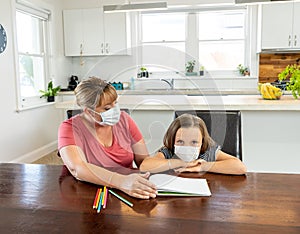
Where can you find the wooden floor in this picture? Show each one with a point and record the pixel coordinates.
(51, 159)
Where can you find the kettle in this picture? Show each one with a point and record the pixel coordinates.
(73, 82)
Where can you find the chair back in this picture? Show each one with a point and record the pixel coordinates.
(224, 128)
(71, 113)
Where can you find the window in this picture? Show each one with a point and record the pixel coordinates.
(214, 38)
(31, 28)
(221, 39)
(163, 34)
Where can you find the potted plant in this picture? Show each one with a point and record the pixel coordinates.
(201, 71)
(189, 68)
(244, 71)
(292, 74)
(143, 72)
(51, 92)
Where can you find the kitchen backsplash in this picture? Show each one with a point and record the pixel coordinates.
(270, 65)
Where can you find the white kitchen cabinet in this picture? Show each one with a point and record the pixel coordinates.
(90, 32)
(280, 26)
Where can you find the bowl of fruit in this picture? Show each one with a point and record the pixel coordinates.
(269, 91)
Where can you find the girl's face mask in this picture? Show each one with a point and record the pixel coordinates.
(187, 153)
(110, 117)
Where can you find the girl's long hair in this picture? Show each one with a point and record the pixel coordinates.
(187, 121)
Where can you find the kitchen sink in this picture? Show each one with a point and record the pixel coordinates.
(207, 94)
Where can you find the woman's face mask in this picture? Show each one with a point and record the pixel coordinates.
(110, 117)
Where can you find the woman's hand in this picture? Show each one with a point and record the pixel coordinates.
(194, 166)
(138, 185)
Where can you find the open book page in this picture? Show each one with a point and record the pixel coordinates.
(169, 185)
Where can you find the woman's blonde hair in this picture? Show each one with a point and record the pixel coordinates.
(92, 92)
(187, 121)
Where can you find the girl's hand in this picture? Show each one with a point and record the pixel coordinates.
(138, 185)
(194, 166)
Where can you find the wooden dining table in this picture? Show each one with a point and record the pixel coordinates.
(47, 199)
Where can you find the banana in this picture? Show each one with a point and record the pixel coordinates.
(278, 94)
(265, 92)
(271, 91)
(277, 91)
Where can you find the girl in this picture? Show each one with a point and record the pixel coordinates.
(187, 137)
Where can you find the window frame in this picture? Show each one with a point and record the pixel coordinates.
(25, 103)
(192, 52)
(224, 41)
(157, 44)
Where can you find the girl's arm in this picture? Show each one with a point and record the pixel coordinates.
(224, 164)
(159, 163)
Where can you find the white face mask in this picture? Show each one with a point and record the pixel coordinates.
(110, 117)
(187, 153)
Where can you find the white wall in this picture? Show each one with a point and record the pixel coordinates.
(122, 68)
(29, 134)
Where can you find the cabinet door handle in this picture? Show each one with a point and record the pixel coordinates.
(106, 48)
(81, 49)
(102, 48)
(81, 58)
(295, 40)
(290, 40)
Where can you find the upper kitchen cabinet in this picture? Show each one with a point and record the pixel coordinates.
(280, 26)
(90, 32)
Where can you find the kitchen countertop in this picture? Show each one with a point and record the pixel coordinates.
(210, 102)
(179, 92)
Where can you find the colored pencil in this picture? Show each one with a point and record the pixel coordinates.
(96, 198)
(121, 198)
(105, 199)
(100, 203)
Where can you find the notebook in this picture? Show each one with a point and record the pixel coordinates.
(168, 185)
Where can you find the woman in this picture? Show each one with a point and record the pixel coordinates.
(102, 136)
(187, 138)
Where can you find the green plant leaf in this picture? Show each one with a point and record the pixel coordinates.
(292, 74)
(50, 90)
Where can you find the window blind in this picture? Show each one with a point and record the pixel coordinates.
(29, 8)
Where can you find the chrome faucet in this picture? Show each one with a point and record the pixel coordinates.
(169, 82)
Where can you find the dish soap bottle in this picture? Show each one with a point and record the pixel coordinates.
(132, 83)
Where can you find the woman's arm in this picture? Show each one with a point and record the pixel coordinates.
(140, 152)
(135, 185)
(158, 163)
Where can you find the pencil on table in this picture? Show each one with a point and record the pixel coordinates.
(105, 199)
(121, 198)
(96, 198)
(100, 202)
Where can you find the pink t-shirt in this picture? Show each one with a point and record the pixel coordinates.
(125, 133)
